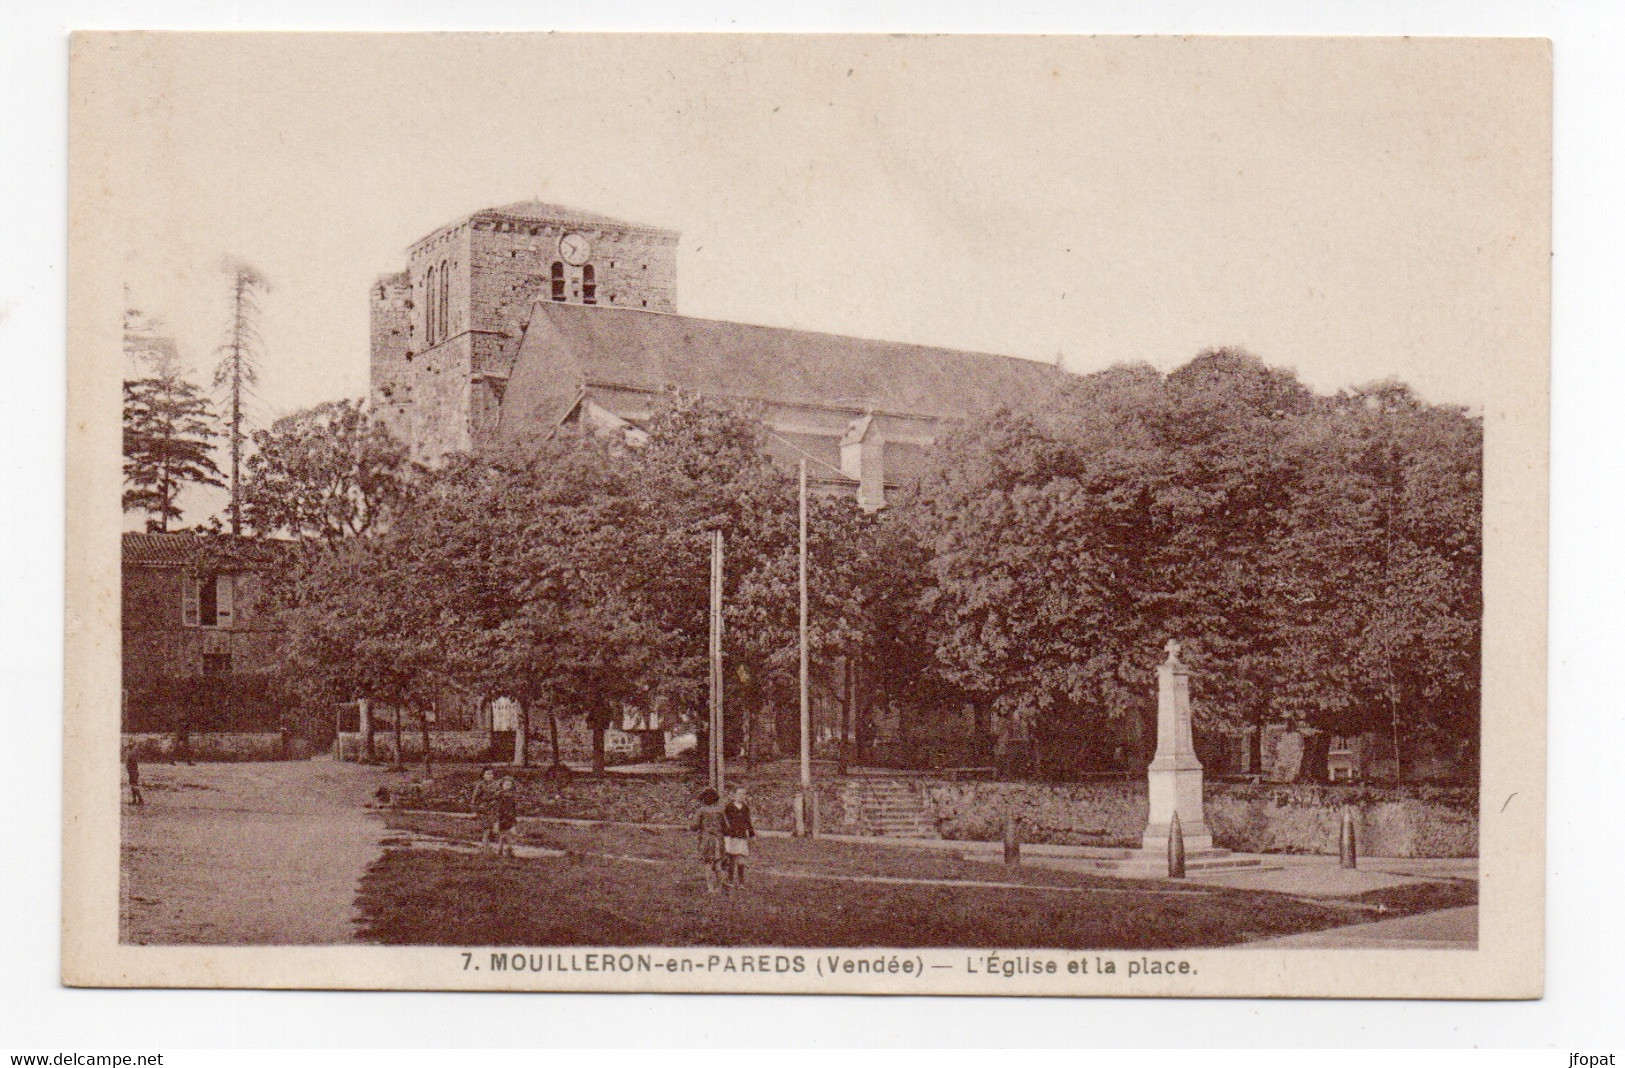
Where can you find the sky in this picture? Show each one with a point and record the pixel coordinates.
(1352, 209)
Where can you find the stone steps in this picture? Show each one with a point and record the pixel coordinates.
(890, 809)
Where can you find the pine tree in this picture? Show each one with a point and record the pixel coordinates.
(238, 370)
(168, 441)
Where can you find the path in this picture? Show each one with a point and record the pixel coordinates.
(247, 854)
(1444, 929)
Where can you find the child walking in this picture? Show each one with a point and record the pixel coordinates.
(708, 825)
(482, 801)
(737, 832)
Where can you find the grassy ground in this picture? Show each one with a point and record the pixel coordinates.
(628, 886)
(1421, 897)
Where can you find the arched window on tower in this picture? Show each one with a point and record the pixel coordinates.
(443, 317)
(558, 281)
(431, 303)
(589, 287)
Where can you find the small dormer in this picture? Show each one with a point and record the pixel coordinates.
(863, 458)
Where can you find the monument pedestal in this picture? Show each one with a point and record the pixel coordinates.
(1176, 789)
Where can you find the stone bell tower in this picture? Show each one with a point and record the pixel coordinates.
(446, 330)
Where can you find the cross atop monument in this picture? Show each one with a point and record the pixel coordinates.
(1173, 648)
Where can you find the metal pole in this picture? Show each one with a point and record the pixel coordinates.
(722, 749)
(806, 709)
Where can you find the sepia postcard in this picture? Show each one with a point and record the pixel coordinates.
(966, 515)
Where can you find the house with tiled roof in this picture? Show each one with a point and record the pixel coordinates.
(190, 611)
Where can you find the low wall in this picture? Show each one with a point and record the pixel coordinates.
(1106, 813)
(444, 745)
(1417, 821)
(1389, 822)
(625, 799)
(223, 745)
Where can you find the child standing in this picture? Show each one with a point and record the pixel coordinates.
(507, 816)
(708, 825)
(737, 832)
(132, 772)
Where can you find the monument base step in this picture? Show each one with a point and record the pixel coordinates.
(1138, 864)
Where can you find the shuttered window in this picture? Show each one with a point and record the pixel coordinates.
(208, 600)
(225, 597)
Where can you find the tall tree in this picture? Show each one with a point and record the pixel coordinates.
(238, 370)
(328, 472)
(168, 444)
(1320, 556)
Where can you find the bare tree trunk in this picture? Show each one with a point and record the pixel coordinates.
(849, 691)
(396, 763)
(597, 747)
(553, 736)
(428, 751)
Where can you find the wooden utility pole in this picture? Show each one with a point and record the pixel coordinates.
(808, 805)
(717, 751)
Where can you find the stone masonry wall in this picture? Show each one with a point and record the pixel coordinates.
(1414, 822)
(512, 269)
(223, 746)
(390, 308)
(440, 399)
(1286, 818)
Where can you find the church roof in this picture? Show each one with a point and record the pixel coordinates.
(569, 347)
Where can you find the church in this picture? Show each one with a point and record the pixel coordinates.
(514, 320)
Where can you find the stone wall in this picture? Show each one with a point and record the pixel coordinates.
(626, 799)
(1105, 813)
(440, 399)
(223, 746)
(1287, 818)
(1421, 821)
(460, 746)
(511, 268)
(481, 746)
(390, 329)
(1413, 822)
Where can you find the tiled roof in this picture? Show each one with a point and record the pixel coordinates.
(569, 346)
(159, 549)
(180, 549)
